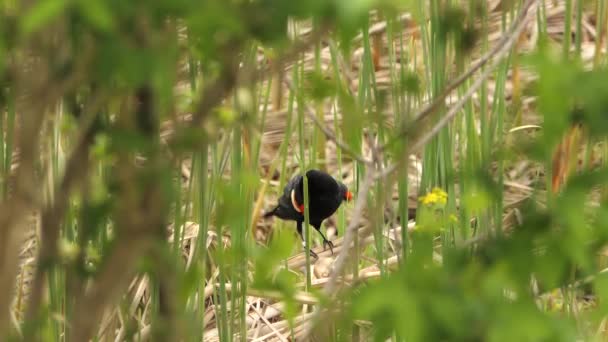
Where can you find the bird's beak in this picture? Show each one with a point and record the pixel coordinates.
(348, 196)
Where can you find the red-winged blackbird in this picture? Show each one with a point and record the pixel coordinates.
(325, 195)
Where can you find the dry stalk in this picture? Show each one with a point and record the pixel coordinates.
(495, 55)
(329, 134)
(497, 52)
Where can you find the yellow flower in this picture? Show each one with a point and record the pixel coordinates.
(442, 195)
(437, 195)
(429, 198)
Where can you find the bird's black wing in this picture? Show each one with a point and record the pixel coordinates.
(285, 209)
(325, 195)
(294, 183)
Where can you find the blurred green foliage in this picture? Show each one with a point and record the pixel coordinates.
(115, 65)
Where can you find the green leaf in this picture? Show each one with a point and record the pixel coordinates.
(318, 86)
(42, 13)
(97, 14)
(353, 120)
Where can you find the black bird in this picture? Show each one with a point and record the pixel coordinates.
(325, 195)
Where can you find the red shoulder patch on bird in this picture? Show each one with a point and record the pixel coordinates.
(348, 196)
(298, 207)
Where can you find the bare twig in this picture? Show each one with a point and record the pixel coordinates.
(140, 224)
(44, 91)
(301, 297)
(496, 53)
(120, 268)
(310, 112)
(349, 237)
(269, 325)
(499, 52)
(217, 90)
(76, 169)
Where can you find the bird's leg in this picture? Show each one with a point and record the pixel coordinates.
(312, 253)
(326, 241)
(299, 228)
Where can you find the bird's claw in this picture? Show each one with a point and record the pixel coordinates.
(313, 254)
(310, 251)
(330, 244)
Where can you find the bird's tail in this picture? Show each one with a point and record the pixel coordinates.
(271, 212)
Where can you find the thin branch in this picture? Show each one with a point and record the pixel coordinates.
(45, 91)
(349, 237)
(499, 53)
(215, 92)
(351, 230)
(37, 90)
(299, 296)
(120, 267)
(310, 112)
(76, 170)
(140, 220)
